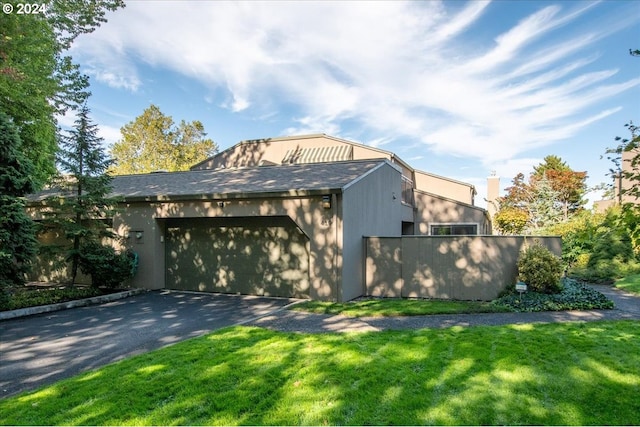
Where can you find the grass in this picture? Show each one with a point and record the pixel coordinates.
(381, 307)
(573, 296)
(629, 284)
(549, 374)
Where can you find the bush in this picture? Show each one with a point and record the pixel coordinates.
(579, 235)
(612, 252)
(23, 297)
(106, 266)
(540, 270)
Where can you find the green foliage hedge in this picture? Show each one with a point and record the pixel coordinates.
(23, 297)
(106, 266)
(540, 269)
(573, 296)
(600, 247)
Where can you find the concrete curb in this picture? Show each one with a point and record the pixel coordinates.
(29, 311)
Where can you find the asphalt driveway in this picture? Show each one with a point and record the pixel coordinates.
(42, 349)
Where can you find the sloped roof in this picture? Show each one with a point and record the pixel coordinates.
(263, 181)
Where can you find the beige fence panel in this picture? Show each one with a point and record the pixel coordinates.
(383, 272)
(447, 267)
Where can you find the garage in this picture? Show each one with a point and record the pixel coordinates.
(266, 256)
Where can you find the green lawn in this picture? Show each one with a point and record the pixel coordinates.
(397, 307)
(629, 284)
(553, 374)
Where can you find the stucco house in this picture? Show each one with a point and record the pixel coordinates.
(281, 217)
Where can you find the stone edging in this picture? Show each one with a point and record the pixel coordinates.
(29, 311)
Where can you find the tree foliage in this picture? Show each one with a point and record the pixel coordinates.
(153, 142)
(81, 208)
(511, 220)
(37, 80)
(600, 246)
(527, 206)
(17, 233)
(569, 185)
(553, 193)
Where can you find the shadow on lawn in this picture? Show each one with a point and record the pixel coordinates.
(529, 374)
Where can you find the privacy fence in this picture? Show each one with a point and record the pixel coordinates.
(447, 267)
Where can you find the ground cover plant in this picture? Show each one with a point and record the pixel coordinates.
(381, 307)
(28, 296)
(572, 296)
(547, 374)
(629, 284)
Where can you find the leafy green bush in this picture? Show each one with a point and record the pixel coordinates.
(578, 237)
(573, 296)
(611, 253)
(540, 269)
(23, 297)
(106, 266)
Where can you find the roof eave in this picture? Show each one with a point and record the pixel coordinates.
(233, 196)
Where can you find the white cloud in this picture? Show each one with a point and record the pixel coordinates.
(398, 69)
(109, 134)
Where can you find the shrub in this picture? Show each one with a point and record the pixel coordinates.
(540, 269)
(23, 297)
(106, 266)
(578, 237)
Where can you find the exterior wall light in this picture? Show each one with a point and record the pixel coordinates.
(326, 202)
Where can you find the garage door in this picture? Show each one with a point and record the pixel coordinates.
(255, 256)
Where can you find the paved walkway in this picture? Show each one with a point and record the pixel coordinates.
(627, 306)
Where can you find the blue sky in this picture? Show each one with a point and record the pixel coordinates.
(454, 88)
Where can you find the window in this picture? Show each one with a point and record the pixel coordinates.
(407, 191)
(454, 229)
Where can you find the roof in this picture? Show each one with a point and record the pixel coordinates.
(306, 155)
(261, 181)
(302, 138)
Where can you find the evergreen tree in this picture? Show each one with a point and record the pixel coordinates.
(17, 233)
(543, 207)
(81, 209)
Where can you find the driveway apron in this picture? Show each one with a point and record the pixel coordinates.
(42, 349)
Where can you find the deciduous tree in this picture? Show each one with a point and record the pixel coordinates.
(152, 142)
(38, 80)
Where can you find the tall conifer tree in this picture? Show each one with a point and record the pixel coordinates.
(81, 209)
(17, 233)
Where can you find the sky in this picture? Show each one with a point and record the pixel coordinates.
(459, 89)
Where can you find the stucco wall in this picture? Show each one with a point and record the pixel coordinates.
(444, 187)
(433, 210)
(628, 168)
(371, 206)
(52, 267)
(447, 267)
